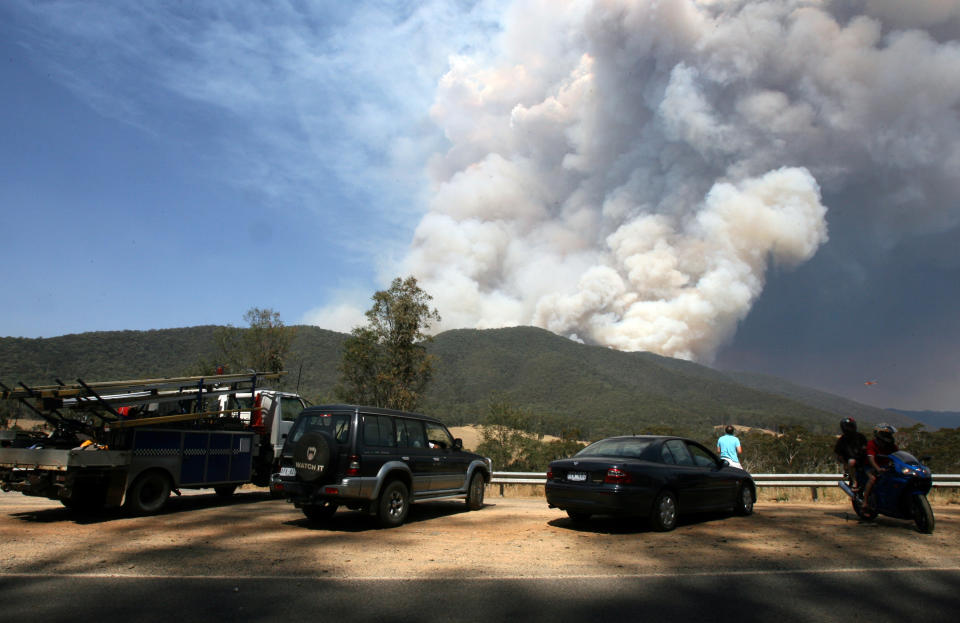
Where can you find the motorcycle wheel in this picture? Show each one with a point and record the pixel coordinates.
(922, 514)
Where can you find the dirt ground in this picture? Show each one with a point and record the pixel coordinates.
(255, 536)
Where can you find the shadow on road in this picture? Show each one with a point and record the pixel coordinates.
(345, 520)
(609, 524)
(176, 504)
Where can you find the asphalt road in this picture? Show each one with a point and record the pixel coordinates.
(255, 559)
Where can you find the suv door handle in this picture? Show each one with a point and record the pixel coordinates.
(405, 458)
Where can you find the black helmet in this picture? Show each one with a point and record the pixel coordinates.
(884, 433)
(848, 425)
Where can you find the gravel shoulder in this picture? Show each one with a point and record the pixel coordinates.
(254, 536)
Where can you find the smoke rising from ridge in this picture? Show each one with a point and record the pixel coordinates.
(625, 173)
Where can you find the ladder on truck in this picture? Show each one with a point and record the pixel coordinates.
(130, 403)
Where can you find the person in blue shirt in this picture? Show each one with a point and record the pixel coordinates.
(728, 447)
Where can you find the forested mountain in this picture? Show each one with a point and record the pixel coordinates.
(563, 384)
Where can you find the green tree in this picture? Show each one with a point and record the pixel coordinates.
(385, 364)
(263, 346)
(504, 435)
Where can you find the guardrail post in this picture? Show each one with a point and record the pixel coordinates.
(813, 493)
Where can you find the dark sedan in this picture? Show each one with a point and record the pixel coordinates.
(650, 476)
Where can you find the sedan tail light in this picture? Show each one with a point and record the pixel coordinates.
(616, 476)
(549, 474)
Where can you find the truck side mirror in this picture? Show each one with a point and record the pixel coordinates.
(458, 444)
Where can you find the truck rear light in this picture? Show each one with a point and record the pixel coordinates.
(256, 415)
(353, 467)
(616, 476)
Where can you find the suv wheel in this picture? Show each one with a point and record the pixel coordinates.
(475, 493)
(393, 504)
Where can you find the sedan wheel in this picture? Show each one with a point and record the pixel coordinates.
(744, 504)
(664, 516)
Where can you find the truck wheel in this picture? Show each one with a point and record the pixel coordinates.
(475, 493)
(87, 498)
(393, 504)
(148, 493)
(225, 491)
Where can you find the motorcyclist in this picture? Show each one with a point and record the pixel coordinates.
(882, 444)
(851, 450)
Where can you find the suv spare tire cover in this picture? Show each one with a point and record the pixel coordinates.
(313, 455)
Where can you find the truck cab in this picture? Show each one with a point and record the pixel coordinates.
(274, 411)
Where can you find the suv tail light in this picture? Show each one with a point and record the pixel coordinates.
(353, 467)
(549, 474)
(616, 476)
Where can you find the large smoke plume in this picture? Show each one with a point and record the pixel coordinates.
(626, 172)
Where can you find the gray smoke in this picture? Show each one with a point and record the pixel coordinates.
(626, 172)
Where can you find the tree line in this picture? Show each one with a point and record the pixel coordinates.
(385, 364)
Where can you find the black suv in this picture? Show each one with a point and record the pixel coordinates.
(376, 460)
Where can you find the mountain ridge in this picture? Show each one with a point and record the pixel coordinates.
(561, 383)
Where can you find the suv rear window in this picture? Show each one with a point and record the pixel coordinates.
(337, 425)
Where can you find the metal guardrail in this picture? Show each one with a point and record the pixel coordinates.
(762, 480)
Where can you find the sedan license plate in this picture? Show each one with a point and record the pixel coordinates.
(577, 476)
(288, 471)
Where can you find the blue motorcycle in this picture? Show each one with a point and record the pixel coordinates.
(900, 492)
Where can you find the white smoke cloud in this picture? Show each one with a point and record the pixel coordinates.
(627, 171)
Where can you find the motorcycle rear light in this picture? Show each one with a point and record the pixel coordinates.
(353, 467)
(616, 476)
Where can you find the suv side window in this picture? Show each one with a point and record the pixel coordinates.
(378, 431)
(438, 436)
(410, 433)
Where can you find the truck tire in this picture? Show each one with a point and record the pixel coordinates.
(312, 455)
(89, 497)
(148, 493)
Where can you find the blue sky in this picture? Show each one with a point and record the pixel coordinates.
(173, 164)
(756, 185)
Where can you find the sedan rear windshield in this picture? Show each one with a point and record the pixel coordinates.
(337, 425)
(627, 448)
